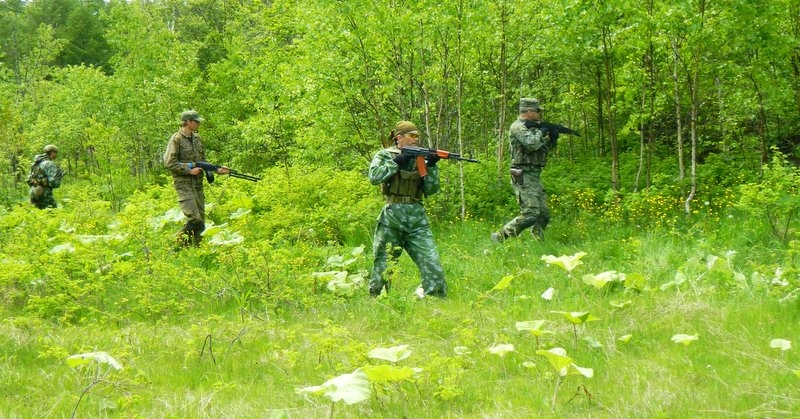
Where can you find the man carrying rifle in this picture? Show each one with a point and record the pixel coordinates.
(403, 223)
(184, 148)
(530, 142)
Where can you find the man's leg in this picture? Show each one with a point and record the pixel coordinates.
(422, 250)
(191, 233)
(386, 247)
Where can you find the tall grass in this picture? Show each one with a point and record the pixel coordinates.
(234, 331)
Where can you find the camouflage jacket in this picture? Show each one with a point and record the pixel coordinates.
(44, 172)
(182, 152)
(528, 146)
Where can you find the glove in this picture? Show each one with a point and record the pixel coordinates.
(402, 159)
(432, 160)
(531, 124)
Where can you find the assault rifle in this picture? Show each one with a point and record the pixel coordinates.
(422, 153)
(210, 169)
(550, 127)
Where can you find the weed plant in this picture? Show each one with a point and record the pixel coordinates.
(236, 327)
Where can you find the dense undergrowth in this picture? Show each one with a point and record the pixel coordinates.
(273, 302)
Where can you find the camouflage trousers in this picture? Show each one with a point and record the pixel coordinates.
(532, 204)
(43, 197)
(405, 227)
(194, 209)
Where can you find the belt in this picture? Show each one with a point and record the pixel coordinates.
(394, 199)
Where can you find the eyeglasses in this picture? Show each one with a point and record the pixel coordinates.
(413, 135)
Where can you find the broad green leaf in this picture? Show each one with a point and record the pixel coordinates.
(620, 304)
(685, 339)
(504, 283)
(558, 359)
(568, 263)
(502, 349)
(386, 372)
(577, 317)
(600, 280)
(634, 281)
(350, 388)
(624, 338)
(576, 370)
(101, 357)
(781, 344)
(796, 372)
(239, 213)
(63, 248)
(549, 293)
(226, 238)
(462, 350)
(393, 354)
(534, 326)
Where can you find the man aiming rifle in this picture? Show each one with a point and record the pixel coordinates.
(423, 154)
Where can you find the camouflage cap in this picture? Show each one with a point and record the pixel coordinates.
(526, 104)
(404, 127)
(50, 147)
(191, 115)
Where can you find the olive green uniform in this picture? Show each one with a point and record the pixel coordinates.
(182, 152)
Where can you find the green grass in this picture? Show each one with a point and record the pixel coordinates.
(213, 340)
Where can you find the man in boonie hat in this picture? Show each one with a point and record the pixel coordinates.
(403, 223)
(529, 148)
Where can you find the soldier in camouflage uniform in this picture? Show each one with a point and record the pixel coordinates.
(529, 148)
(402, 223)
(44, 176)
(184, 149)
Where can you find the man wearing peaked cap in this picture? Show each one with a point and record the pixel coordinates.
(529, 148)
(184, 150)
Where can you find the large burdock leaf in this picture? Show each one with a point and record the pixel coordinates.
(385, 372)
(781, 344)
(534, 326)
(100, 357)
(600, 280)
(502, 349)
(563, 364)
(393, 354)
(577, 317)
(685, 339)
(63, 248)
(350, 388)
(226, 238)
(568, 263)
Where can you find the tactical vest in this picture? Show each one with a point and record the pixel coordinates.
(520, 157)
(404, 183)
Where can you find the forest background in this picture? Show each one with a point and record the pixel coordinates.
(689, 115)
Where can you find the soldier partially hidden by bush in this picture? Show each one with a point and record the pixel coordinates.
(44, 176)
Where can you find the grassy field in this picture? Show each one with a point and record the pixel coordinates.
(225, 345)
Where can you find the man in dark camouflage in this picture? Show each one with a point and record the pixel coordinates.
(184, 150)
(529, 148)
(44, 176)
(403, 223)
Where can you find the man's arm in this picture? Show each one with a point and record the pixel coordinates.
(173, 164)
(381, 168)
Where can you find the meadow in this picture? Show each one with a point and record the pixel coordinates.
(103, 317)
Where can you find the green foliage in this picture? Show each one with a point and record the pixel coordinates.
(774, 198)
